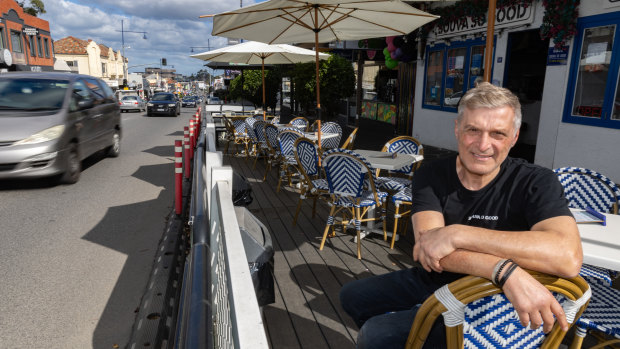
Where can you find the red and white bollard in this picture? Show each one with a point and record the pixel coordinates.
(186, 146)
(192, 140)
(178, 177)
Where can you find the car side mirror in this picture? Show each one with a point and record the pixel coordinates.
(85, 103)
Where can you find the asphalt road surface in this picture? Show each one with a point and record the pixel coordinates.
(75, 259)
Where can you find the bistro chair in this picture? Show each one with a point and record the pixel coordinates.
(314, 127)
(300, 122)
(401, 178)
(352, 192)
(307, 156)
(273, 156)
(240, 134)
(261, 149)
(402, 198)
(288, 165)
(587, 188)
(348, 143)
(229, 135)
(477, 314)
(275, 120)
(252, 138)
(331, 127)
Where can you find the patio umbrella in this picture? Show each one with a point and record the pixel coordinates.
(294, 21)
(252, 52)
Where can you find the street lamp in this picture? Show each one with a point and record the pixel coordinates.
(123, 31)
(208, 47)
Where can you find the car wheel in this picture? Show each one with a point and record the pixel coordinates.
(115, 149)
(148, 113)
(73, 167)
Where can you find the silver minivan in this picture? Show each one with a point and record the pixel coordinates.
(50, 122)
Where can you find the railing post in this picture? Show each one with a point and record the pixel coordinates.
(178, 177)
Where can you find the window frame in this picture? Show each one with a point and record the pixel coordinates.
(40, 46)
(47, 48)
(444, 48)
(31, 45)
(15, 33)
(613, 77)
(2, 40)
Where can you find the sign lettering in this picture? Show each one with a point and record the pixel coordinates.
(504, 17)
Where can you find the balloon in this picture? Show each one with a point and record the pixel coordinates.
(386, 52)
(391, 63)
(371, 54)
(390, 43)
(397, 54)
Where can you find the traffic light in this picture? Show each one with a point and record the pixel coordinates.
(163, 61)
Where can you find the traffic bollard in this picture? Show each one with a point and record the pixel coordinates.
(192, 140)
(178, 177)
(186, 146)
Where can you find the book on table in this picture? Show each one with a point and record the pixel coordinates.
(589, 215)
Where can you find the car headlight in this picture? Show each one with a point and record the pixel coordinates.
(149, 104)
(172, 105)
(43, 136)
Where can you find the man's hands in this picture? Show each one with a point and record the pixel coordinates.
(432, 245)
(533, 302)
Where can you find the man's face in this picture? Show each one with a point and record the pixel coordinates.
(484, 138)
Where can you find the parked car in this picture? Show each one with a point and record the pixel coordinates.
(128, 103)
(163, 103)
(189, 101)
(50, 122)
(214, 100)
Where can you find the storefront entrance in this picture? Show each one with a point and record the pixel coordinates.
(526, 63)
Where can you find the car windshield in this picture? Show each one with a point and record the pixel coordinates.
(162, 97)
(32, 94)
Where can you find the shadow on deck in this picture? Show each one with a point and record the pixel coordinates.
(307, 312)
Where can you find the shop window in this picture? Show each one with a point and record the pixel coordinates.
(593, 96)
(40, 46)
(33, 51)
(46, 44)
(2, 45)
(16, 42)
(450, 71)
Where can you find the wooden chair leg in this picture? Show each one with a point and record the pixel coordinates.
(314, 205)
(384, 216)
(267, 168)
(396, 216)
(358, 229)
(298, 209)
(330, 222)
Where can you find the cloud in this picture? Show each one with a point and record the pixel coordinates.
(172, 27)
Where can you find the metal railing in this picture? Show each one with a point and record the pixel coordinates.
(218, 306)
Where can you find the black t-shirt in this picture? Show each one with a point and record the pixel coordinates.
(521, 195)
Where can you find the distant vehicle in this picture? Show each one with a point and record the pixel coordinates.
(189, 101)
(122, 93)
(163, 103)
(214, 100)
(454, 99)
(128, 103)
(50, 122)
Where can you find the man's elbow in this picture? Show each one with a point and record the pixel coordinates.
(571, 265)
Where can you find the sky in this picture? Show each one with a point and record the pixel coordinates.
(172, 27)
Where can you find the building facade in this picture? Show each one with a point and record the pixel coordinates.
(88, 57)
(569, 89)
(25, 40)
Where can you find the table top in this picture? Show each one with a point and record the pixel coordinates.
(324, 135)
(601, 243)
(383, 160)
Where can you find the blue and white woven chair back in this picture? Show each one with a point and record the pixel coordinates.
(492, 322)
(275, 120)
(259, 130)
(251, 121)
(250, 130)
(286, 140)
(300, 122)
(346, 172)
(308, 156)
(271, 134)
(240, 127)
(404, 146)
(331, 127)
(586, 188)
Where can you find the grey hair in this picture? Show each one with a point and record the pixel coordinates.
(486, 95)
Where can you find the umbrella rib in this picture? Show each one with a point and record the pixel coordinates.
(297, 20)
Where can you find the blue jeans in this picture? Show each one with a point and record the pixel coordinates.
(384, 307)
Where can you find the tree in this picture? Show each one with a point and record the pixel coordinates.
(337, 79)
(252, 87)
(35, 7)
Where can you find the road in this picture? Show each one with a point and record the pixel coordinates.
(75, 259)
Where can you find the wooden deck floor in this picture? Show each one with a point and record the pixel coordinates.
(307, 312)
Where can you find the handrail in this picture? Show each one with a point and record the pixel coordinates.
(218, 307)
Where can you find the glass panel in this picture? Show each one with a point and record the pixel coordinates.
(434, 70)
(476, 65)
(47, 48)
(593, 69)
(16, 42)
(40, 46)
(32, 49)
(615, 114)
(455, 75)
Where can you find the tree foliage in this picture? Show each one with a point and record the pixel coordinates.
(337, 79)
(251, 87)
(32, 7)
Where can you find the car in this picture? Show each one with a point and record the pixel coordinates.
(128, 103)
(163, 103)
(214, 100)
(454, 99)
(189, 101)
(51, 121)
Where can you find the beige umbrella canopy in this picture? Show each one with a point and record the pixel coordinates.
(252, 52)
(292, 21)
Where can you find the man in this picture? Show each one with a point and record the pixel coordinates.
(472, 212)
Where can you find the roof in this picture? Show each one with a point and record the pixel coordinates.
(71, 46)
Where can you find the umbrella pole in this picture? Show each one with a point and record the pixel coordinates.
(318, 87)
(263, 71)
(488, 53)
